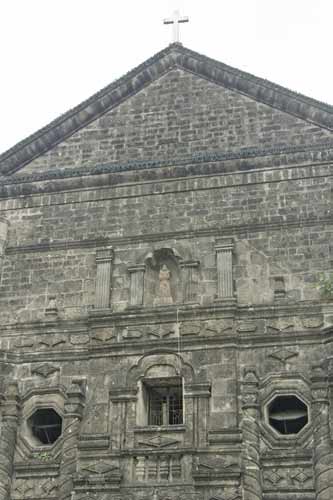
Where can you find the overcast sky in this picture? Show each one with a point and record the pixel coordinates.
(56, 53)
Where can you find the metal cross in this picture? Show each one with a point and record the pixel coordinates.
(176, 20)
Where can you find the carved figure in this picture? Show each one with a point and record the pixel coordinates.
(164, 296)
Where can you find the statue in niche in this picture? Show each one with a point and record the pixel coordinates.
(163, 296)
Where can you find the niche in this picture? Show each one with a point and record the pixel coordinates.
(162, 286)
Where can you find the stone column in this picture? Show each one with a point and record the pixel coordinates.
(137, 274)
(225, 287)
(10, 414)
(322, 447)
(104, 259)
(189, 268)
(74, 406)
(252, 483)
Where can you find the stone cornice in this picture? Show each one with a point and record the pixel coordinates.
(250, 327)
(195, 159)
(174, 56)
(61, 245)
(225, 230)
(120, 349)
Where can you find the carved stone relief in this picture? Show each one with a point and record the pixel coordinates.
(45, 369)
(159, 442)
(288, 478)
(283, 355)
(32, 488)
(163, 294)
(158, 468)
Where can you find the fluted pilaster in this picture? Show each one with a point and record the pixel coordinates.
(104, 259)
(225, 286)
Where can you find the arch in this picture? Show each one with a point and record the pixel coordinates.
(160, 357)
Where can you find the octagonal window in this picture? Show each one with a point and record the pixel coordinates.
(45, 425)
(287, 414)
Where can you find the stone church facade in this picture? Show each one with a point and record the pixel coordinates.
(163, 334)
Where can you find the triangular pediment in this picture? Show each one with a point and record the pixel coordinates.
(174, 58)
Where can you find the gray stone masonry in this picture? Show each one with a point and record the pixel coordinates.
(162, 334)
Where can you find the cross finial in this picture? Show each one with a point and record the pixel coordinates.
(176, 20)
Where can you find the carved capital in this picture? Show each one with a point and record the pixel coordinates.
(104, 255)
(123, 394)
(201, 390)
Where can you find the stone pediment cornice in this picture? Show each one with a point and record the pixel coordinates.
(174, 56)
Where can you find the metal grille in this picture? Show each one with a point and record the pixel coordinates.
(165, 405)
(175, 409)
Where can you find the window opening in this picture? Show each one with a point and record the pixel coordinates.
(165, 405)
(46, 425)
(287, 414)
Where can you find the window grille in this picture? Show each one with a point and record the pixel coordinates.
(165, 405)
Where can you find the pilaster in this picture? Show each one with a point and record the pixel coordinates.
(225, 288)
(104, 259)
(71, 429)
(189, 269)
(196, 418)
(251, 466)
(137, 274)
(10, 413)
(322, 449)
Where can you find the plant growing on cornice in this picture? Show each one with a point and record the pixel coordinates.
(325, 286)
(44, 456)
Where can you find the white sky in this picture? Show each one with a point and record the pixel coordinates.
(56, 53)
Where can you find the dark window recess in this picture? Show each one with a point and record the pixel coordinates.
(165, 405)
(287, 414)
(46, 425)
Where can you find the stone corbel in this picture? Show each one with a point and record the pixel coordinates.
(189, 269)
(104, 258)
(137, 274)
(225, 287)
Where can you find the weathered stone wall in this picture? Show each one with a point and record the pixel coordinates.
(279, 223)
(88, 324)
(178, 115)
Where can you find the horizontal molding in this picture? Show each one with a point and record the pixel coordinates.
(227, 230)
(195, 159)
(61, 245)
(238, 342)
(175, 179)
